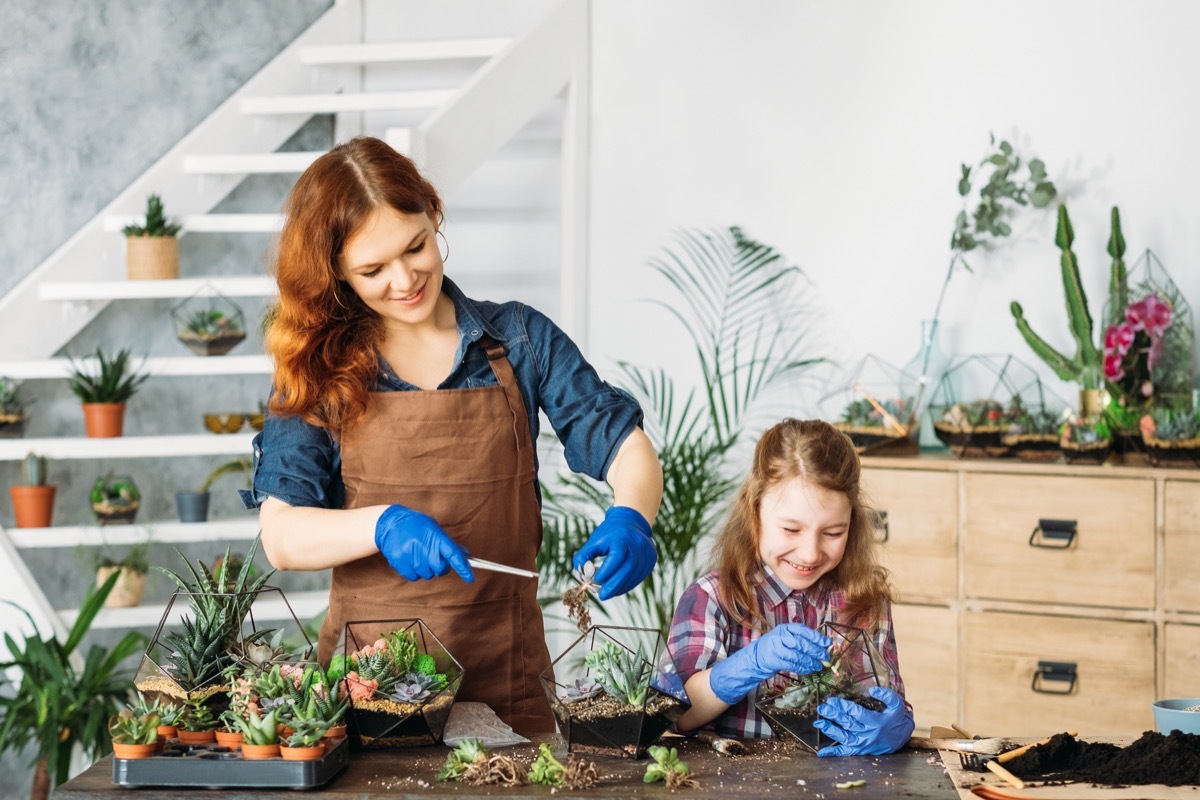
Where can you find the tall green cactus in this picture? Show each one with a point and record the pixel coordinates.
(1087, 367)
(33, 470)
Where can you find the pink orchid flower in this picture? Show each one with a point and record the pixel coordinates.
(1118, 338)
(1150, 313)
(1113, 367)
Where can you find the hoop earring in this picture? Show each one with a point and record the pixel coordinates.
(337, 298)
(447, 241)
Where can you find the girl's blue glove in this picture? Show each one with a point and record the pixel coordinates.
(790, 647)
(417, 547)
(623, 538)
(862, 732)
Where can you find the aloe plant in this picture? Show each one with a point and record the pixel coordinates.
(1086, 366)
(114, 380)
(625, 675)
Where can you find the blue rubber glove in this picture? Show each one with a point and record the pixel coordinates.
(417, 547)
(623, 538)
(863, 732)
(790, 647)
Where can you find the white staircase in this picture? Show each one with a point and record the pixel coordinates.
(451, 131)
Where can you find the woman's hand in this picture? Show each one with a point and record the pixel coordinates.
(862, 732)
(790, 647)
(623, 538)
(417, 547)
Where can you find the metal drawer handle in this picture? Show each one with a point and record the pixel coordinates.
(1054, 534)
(881, 526)
(1057, 672)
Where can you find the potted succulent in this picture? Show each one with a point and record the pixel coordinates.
(209, 326)
(1172, 437)
(972, 429)
(169, 715)
(33, 501)
(1085, 440)
(400, 683)
(197, 725)
(854, 666)
(134, 735)
(193, 506)
(131, 569)
(260, 734)
(623, 699)
(1032, 434)
(115, 500)
(12, 410)
(151, 249)
(104, 391)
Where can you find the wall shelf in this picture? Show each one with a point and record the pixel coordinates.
(157, 366)
(228, 285)
(165, 532)
(202, 444)
(306, 605)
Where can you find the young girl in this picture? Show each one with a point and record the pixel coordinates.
(796, 551)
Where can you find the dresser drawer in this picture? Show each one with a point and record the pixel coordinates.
(1181, 568)
(1179, 664)
(1109, 562)
(1114, 675)
(927, 646)
(920, 541)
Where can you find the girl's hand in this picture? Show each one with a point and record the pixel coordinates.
(862, 732)
(623, 538)
(790, 647)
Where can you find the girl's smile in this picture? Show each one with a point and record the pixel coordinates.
(803, 530)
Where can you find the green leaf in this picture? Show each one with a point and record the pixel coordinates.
(964, 187)
(998, 160)
(1006, 148)
(1037, 170)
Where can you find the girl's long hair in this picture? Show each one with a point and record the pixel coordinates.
(322, 338)
(819, 453)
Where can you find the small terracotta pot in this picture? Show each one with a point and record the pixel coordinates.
(197, 737)
(336, 732)
(134, 750)
(303, 753)
(231, 739)
(33, 506)
(104, 420)
(168, 732)
(257, 752)
(284, 731)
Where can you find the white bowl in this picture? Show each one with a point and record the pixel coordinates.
(1169, 715)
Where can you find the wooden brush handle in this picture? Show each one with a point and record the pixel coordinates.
(998, 769)
(1005, 757)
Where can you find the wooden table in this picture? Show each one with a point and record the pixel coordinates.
(772, 769)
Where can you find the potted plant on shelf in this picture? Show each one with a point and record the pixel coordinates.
(1032, 433)
(1172, 437)
(151, 249)
(115, 500)
(169, 715)
(193, 506)
(104, 391)
(130, 568)
(12, 410)
(33, 501)
(197, 725)
(209, 325)
(134, 735)
(1085, 440)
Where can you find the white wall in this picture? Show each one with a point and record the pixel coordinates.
(834, 132)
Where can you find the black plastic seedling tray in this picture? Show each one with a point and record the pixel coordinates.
(209, 766)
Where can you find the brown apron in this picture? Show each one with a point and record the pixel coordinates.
(465, 458)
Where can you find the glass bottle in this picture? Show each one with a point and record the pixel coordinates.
(926, 368)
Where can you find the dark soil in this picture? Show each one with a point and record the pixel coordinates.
(1173, 760)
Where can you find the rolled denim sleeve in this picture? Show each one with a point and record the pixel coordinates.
(297, 463)
(591, 417)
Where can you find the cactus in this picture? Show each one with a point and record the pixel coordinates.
(34, 470)
(156, 223)
(1086, 368)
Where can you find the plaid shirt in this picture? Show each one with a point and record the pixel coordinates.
(702, 634)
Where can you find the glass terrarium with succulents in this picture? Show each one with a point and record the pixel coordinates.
(875, 406)
(975, 399)
(115, 500)
(855, 665)
(1172, 437)
(1033, 422)
(1085, 440)
(209, 324)
(400, 682)
(614, 691)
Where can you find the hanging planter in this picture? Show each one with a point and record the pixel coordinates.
(209, 323)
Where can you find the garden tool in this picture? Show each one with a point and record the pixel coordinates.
(479, 563)
(979, 762)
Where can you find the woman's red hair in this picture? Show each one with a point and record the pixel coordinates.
(323, 339)
(819, 453)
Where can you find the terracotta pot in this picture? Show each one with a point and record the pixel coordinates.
(302, 753)
(167, 732)
(104, 420)
(151, 257)
(33, 506)
(128, 589)
(231, 739)
(336, 732)
(134, 750)
(197, 737)
(284, 731)
(253, 752)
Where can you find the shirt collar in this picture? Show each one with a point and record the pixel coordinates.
(775, 592)
(470, 323)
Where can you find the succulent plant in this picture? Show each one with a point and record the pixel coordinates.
(113, 381)
(666, 766)
(625, 675)
(11, 403)
(306, 732)
(197, 716)
(259, 730)
(468, 752)
(210, 323)
(546, 769)
(582, 689)
(130, 727)
(1175, 425)
(413, 688)
(156, 223)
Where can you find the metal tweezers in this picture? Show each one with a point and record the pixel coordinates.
(479, 563)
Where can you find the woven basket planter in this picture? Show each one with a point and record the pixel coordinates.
(151, 257)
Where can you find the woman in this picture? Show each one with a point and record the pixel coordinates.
(401, 432)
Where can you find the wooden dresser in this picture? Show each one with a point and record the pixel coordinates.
(1039, 598)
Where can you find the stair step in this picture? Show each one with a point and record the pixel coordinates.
(402, 51)
(208, 223)
(228, 285)
(158, 366)
(250, 163)
(200, 444)
(350, 101)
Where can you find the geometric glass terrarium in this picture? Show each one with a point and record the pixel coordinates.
(614, 691)
(115, 500)
(973, 402)
(855, 665)
(1034, 418)
(209, 324)
(876, 408)
(400, 680)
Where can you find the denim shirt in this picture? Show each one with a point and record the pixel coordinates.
(301, 464)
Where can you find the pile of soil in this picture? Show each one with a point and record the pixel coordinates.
(1172, 760)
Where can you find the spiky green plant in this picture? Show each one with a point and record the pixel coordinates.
(380, 668)
(1175, 425)
(114, 380)
(624, 674)
(156, 223)
(1086, 367)
(11, 402)
(739, 307)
